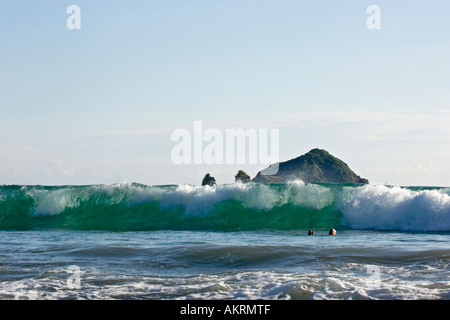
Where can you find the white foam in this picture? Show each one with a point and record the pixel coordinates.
(395, 208)
(202, 199)
(52, 202)
(310, 196)
(346, 283)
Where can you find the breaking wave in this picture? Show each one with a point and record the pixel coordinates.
(230, 207)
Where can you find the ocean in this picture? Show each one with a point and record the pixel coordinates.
(233, 241)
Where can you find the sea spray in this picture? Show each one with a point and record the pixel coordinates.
(394, 208)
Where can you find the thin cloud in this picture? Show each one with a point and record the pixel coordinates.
(385, 125)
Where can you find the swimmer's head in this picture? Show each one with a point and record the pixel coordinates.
(332, 232)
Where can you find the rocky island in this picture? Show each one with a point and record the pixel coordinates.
(315, 166)
(242, 176)
(208, 180)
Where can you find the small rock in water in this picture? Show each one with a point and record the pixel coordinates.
(208, 180)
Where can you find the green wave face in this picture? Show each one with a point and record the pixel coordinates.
(233, 207)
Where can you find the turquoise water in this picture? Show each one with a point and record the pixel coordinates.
(235, 241)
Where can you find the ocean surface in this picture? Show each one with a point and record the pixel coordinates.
(233, 241)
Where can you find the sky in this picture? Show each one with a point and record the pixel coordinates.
(98, 104)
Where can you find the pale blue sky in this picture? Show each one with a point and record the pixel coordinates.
(99, 104)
